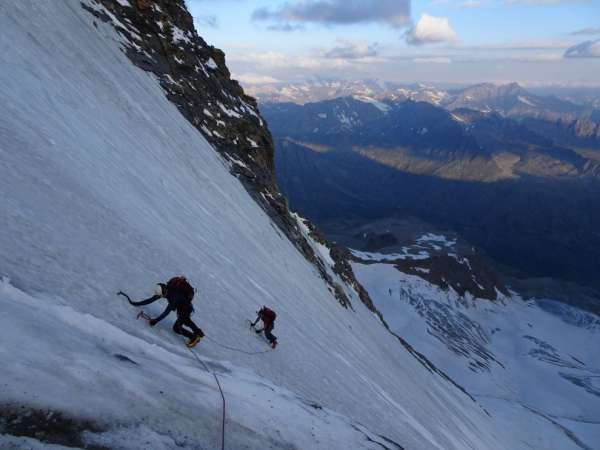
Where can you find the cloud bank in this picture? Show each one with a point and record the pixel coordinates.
(351, 50)
(395, 13)
(586, 31)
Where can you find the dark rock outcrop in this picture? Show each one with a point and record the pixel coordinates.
(159, 37)
(463, 274)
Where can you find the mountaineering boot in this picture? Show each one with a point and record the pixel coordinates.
(273, 345)
(194, 341)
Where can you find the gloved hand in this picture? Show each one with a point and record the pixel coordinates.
(152, 322)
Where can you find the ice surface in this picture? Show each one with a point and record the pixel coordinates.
(105, 186)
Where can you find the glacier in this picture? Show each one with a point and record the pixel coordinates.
(533, 364)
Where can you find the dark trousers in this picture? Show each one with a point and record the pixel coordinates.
(183, 319)
(270, 336)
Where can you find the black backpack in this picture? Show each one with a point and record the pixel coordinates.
(181, 286)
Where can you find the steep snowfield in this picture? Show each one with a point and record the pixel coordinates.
(533, 364)
(105, 187)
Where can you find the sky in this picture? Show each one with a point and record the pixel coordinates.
(533, 42)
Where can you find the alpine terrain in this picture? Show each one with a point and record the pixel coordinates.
(471, 217)
(128, 156)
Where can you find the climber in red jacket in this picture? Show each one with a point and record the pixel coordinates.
(268, 317)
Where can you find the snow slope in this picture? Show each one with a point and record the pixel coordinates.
(533, 364)
(105, 187)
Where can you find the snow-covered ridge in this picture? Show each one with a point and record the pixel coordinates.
(379, 105)
(106, 186)
(371, 91)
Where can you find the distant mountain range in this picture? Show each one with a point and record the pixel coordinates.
(315, 91)
(515, 173)
(572, 118)
(319, 90)
(446, 94)
(423, 139)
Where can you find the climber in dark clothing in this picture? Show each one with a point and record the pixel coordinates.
(179, 294)
(268, 317)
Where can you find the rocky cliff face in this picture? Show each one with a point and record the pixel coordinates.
(159, 37)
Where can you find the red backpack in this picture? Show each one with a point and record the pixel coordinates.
(181, 284)
(269, 314)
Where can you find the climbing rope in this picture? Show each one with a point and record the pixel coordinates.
(143, 315)
(222, 396)
(235, 349)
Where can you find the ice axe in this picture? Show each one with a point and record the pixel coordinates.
(144, 316)
(123, 294)
(141, 314)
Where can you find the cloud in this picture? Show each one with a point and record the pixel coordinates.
(431, 30)
(395, 13)
(542, 2)
(351, 50)
(518, 46)
(285, 27)
(260, 61)
(254, 78)
(536, 58)
(433, 60)
(586, 32)
(469, 4)
(533, 2)
(587, 49)
(206, 21)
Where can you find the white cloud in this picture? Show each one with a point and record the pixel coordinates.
(586, 31)
(261, 61)
(254, 78)
(520, 46)
(352, 50)
(209, 21)
(540, 57)
(431, 30)
(470, 4)
(433, 60)
(587, 49)
(543, 2)
(534, 2)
